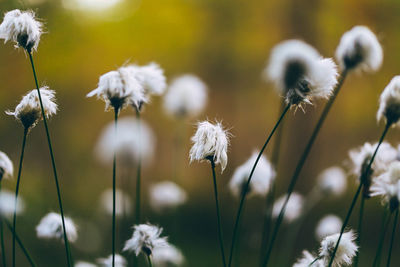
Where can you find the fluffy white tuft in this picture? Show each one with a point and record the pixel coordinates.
(387, 185)
(145, 238)
(333, 181)
(7, 202)
(294, 207)
(328, 225)
(167, 256)
(107, 262)
(50, 226)
(84, 264)
(151, 77)
(166, 195)
(347, 249)
(389, 102)
(6, 167)
(122, 202)
(306, 259)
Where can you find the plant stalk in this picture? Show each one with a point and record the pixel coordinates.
(384, 227)
(396, 217)
(360, 218)
(116, 111)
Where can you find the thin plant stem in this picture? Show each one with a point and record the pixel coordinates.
(300, 165)
(21, 159)
(359, 228)
(3, 249)
(246, 187)
(116, 110)
(384, 227)
(149, 260)
(221, 240)
(314, 261)
(67, 250)
(138, 177)
(367, 170)
(396, 217)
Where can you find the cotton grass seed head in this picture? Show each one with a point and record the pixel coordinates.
(166, 195)
(151, 77)
(300, 73)
(122, 202)
(332, 181)
(107, 262)
(145, 238)
(7, 202)
(22, 28)
(328, 225)
(50, 227)
(306, 259)
(29, 112)
(6, 167)
(261, 180)
(84, 264)
(347, 249)
(389, 102)
(359, 49)
(167, 256)
(210, 142)
(294, 207)
(186, 97)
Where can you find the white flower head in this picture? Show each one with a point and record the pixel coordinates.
(186, 96)
(328, 225)
(50, 226)
(22, 28)
(84, 264)
(261, 180)
(166, 195)
(359, 49)
(134, 141)
(167, 256)
(107, 262)
(300, 73)
(122, 202)
(294, 207)
(333, 181)
(387, 185)
(347, 249)
(7, 202)
(145, 238)
(306, 259)
(6, 167)
(151, 77)
(29, 112)
(210, 142)
(389, 102)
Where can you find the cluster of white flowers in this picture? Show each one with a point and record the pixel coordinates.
(166, 195)
(294, 207)
(145, 238)
(7, 202)
(6, 166)
(389, 102)
(345, 253)
(50, 226)
(107, 262)
(122, 202)
(387, 185)
(332, 181)
(328, 225)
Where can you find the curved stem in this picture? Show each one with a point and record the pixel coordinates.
(301, 162)
(360, 218)
(138, 177)
(114, 187)
(396, 217)
(67, 250)
(3, 249)
(384, 228)
(21, 159)
(246, 187)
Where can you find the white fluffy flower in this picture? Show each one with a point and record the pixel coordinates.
(134, 141)
(84, 264)
(122, 202)
(347, 249)
(6, 166)
(29, 112)
(166, 195)
(328, 225)
(50, 226)
(300, 73)
(186, 96)
(145, 238)
(151, 77)
(7, 202)
(333, 181)
(306, 259)
(294, 207)
(261, 180)
(389, 102)
(167, 256)
(387, 186)
(359, 49)
(107, 262)
(22, 28)
(210, 141)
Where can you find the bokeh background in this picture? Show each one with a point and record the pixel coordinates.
(227, 44)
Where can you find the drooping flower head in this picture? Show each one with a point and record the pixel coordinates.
(22, 28)
(300, 73)
(50, 226)
(261, 180)
(359, 49)
(145, 238)
(107, 262)
(210, 142)
(294, 207)
(306, 259)
(328, 225)
(6, 167)
(332, 181)
(122, 202)
(167, 256)
(29, 112)
(347, 249)
(389, 102)
(7, 202)
(166, 195)
(186, 96)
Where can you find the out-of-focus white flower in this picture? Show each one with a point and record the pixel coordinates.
(145, 238)
(332, 181)
(29, 112)
(347, 249)
(300, 73)
(134, 141)
(261, 180)
(22, 28)
(294, 207)
(186, 96)
(166, 195)
(387, 185)
(389, 102)
(167, 256)
(210, 141)
(306, 259)
(151, 77)
(122, 202)
(7, 202)
(6, 167)
(328, 225)
(107, 262)
(359, 49)
(50, 226)
(84, 264)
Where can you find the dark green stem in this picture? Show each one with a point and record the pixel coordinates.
(359, 229)
(314, 261)
(3, 249)
(116, 110)
(246, 187)
(138, 176)
(21, 159)
(149, 260)
(384, 228)
(396, 217)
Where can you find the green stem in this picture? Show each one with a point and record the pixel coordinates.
(396, 217)
(3, 249)
(314, 261)
(67, 250)
(246, 187)
(138, 177)
(16, 193)
(359, 228)
(116, 110)
(384, 227)
(367, 170)
(149, 260)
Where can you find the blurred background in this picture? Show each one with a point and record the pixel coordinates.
(227, 44)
